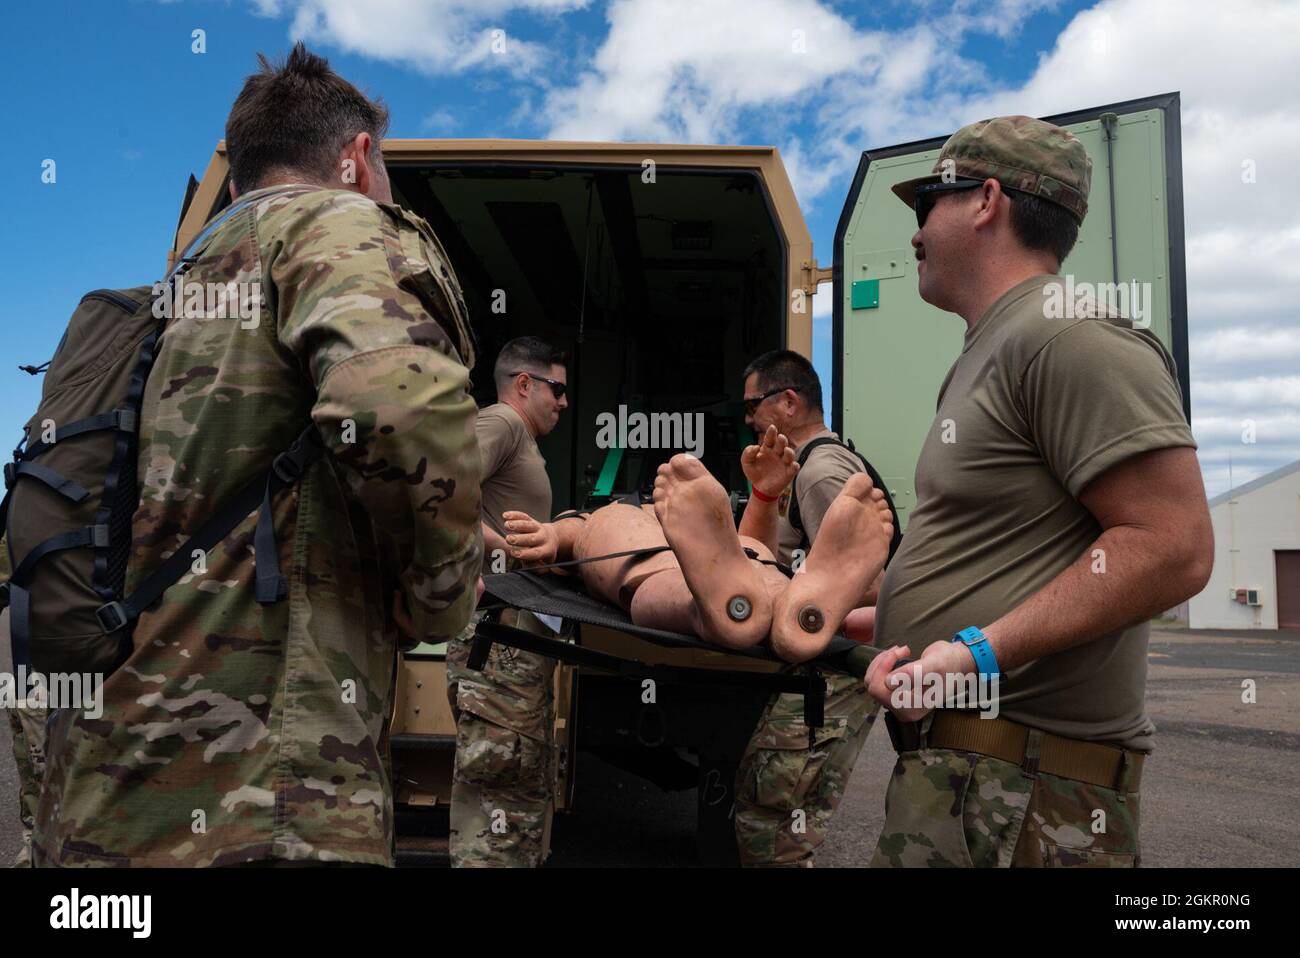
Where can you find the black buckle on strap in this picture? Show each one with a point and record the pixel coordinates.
(287, 467)
(125, 419)
(112, 616)
(904, 736)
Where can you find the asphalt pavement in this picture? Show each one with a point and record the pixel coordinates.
(1220, 790)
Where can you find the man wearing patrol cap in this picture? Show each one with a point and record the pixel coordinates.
(1059, 507)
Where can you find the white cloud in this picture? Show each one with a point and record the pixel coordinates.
(1248, 271)
(718, 72)
(1230, 352)
(1254, 393)
(435, 36)
(733, 70)
(440, 121)
(683, 71)
(1234, 70)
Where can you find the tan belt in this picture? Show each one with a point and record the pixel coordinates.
(1090, 762)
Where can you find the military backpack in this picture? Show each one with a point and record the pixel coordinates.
(72, 489)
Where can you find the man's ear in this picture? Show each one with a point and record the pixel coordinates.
(990, 202)
(234, 193)
(354, 171)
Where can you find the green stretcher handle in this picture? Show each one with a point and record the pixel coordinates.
(856, 661)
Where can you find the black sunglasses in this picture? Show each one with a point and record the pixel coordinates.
(557, 389)
(925, 195)
(752, 404)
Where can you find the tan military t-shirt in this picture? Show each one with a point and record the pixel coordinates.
(820, 479)
(514, 472)
(1032, 411)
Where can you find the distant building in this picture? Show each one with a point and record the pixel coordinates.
(1256, 578)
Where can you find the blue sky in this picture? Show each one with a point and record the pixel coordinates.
(112, 92)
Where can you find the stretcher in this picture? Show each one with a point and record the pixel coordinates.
(563, 598)
(710, 713)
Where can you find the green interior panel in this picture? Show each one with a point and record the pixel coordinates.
(892, 355)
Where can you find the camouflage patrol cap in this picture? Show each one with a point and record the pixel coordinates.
(1021, 153)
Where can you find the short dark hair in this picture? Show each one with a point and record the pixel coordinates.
(1040, 224)
(297, 116)
(786, 369)
(526, 354)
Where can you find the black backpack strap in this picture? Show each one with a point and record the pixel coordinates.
(792, 515)
(60, 484)
(16, 593)
(880, 484)
(86, 536)
(7, 598)
(287, 468)
(121, 494)
(18, 600)
(123, 420)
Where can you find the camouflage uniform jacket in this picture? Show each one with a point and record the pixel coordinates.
(240, 732)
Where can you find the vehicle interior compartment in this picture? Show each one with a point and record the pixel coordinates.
(658, 292)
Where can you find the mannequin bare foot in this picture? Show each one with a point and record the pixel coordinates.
(851, 548)
(732, 604)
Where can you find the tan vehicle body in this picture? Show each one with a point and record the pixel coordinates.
(423, 726)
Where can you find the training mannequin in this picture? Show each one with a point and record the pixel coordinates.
(706, 584)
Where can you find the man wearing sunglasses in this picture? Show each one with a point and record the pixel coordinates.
(1059, 507)
(788, 787)
(504, 776)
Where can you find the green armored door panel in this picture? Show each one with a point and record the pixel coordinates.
(892, 350)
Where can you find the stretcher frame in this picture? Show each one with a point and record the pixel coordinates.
(842, 655)
(721, 745)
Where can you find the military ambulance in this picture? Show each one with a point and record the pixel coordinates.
(662, 270)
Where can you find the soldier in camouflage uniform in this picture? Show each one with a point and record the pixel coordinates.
(503, 781)
(1006, 817)
(788, 786)
(503, 784)
(239, 732)
(27, 728)
(1059, 507)
(27, 734)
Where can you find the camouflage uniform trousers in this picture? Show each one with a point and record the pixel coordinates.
(27, 725)
(946, 808)
(786, 791)
(503, 784)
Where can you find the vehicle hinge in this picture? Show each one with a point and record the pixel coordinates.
(813, 276)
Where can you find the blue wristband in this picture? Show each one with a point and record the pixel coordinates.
(975, 640)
